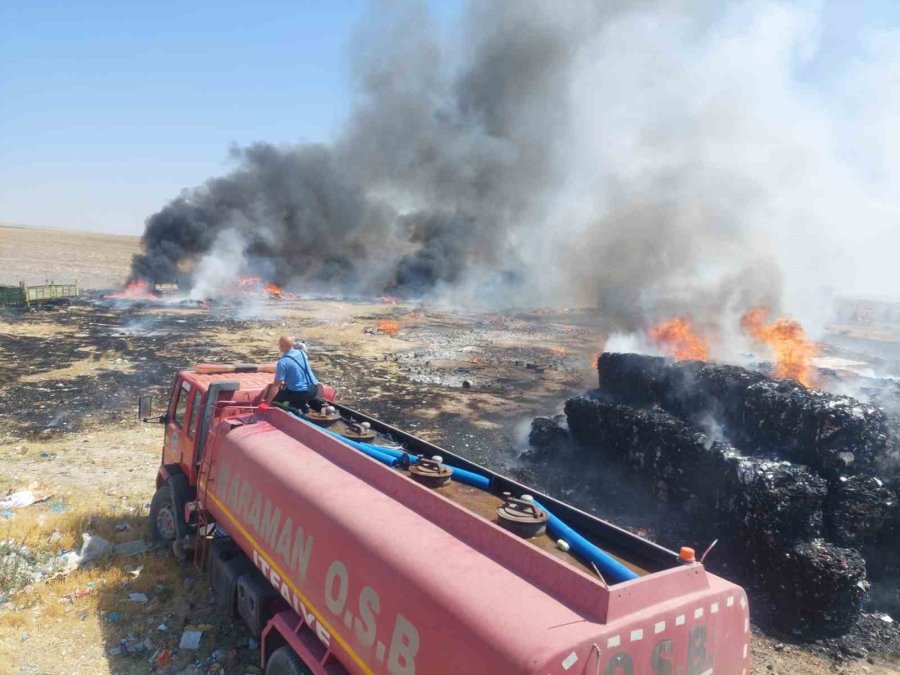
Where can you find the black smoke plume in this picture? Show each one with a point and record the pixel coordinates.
(611, 154)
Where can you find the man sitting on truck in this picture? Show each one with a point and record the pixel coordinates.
(295, 384)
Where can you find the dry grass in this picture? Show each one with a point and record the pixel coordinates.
(89, 367)
(34, 329)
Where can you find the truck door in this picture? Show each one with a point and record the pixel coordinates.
(182, 425)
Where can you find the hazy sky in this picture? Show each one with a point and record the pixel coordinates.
(108, 110)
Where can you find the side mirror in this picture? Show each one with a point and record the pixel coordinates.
(145, 406)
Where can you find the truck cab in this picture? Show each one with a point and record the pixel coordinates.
(188, 415)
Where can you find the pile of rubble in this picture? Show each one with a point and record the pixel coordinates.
(797, 489)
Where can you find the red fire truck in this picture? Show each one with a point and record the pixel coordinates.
(350, 546)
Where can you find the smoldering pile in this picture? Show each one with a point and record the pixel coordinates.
(800, 486)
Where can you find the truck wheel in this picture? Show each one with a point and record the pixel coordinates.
(162, 515)
(284, 661)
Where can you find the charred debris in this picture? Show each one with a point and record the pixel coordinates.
(799, 486)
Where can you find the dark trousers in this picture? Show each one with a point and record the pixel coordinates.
(302, 400)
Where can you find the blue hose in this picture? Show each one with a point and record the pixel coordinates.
(459, 475)
(377, 452)
(382, 457)
(609, 567)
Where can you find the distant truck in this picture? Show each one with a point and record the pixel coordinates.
(23, 295)
(350, 546)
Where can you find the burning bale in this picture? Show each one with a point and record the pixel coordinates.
(778, 502)
(772, 503)
(678, 457)
(768, 514)
(858, 511)
(829, 433)
(548, 437)
(826, 583)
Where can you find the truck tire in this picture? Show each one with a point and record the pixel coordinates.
(163, 526)
(284, 661)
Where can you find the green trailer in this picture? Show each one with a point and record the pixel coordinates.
(31, 295)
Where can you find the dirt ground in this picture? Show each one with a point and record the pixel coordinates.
(38, 255)
(69, 379)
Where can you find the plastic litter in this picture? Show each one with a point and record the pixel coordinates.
(163, 659)
(92, 548)
(138, 597)
(17, 500)
(190, 639)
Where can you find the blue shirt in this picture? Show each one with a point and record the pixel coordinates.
(293, 369)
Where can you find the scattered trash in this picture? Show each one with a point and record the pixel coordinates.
(58, 506)
(162, 627)
(190, 639)
(93, 548)
(8, 514)
(886, 618)
(21, 499)
(123, 527)
(136, 572)
(163, 659)
(252, 644)
(112, 617)
(138, 597)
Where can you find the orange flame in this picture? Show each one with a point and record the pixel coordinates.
(595, 357)
(787, 340)
(677, 337)
(273, 290)
(559, 351)
(388, 327)
(136, 289)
